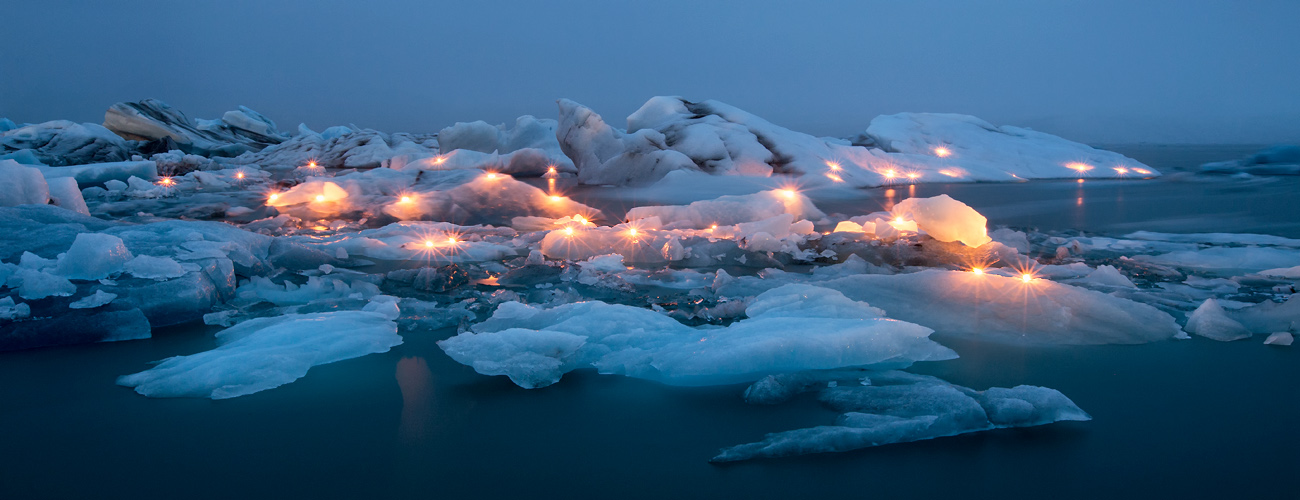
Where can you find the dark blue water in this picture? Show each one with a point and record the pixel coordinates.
(1190, 419)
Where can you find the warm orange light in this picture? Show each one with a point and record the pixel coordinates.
(1080, 181)
(580, 219)
(942, 152)
(428, 243)
(1078, 167)
(406, 199)
(320, 197)
(788, 193)
(491, 175)
(1121, 170)
(166, 181)
(439, 160)
(834, 178)
(1026, 277)
(1142, 171)
(913, 175)
(713, 227)
(557, 198)
(272, 197)
(568, 231)
(890, 174)
(452, 240)
(977, 271)
(950, 173)
(311, 164)
(239, 175)
(898, 220)
(833, 165)
(632, 232)
(550, 170)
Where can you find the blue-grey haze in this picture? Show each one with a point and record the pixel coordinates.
(1098, 71)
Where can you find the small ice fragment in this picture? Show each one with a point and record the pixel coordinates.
(99, 298)
(1279, 338)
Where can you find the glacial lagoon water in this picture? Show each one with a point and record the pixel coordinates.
(1193, 419)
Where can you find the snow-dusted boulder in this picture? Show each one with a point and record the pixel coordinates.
(237, 132)
(62, 142)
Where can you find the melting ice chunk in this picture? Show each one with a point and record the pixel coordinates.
(791, 328)
(265, 353)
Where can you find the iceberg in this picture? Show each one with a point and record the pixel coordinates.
(153, 120)
(670, 133)
(61, 142)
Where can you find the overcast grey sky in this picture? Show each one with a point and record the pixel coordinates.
(1097, 71)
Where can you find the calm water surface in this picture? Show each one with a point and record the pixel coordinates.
(1192, 419)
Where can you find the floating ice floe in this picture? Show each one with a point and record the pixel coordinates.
(265, 353)
(899, 407)
(1277, 160)
(790, 328)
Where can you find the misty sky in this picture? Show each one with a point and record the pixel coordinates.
(1095, 71)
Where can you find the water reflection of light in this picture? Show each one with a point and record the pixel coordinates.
(415, 381)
